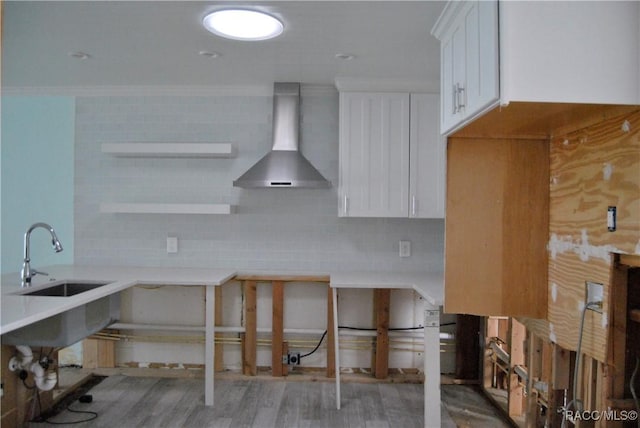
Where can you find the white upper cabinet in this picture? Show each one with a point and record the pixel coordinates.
(584, 52)
(536, 51)
(374, 154)
(427, 158)
(391, 156)
(468, 34)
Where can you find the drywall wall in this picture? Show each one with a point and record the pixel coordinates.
(293, 229)
(271, 229)
(37, 177)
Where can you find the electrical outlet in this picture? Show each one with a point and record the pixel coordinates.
(172, 244)
(405, 248)
(595, 294)
(612, 219)
(292, 359)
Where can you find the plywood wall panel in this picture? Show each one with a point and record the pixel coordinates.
(591, 169)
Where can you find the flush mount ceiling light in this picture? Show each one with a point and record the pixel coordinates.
(345, 56)
(79, 55)
(243, 24)
(209, 54)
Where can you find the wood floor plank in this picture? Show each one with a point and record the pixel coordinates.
(135, 402)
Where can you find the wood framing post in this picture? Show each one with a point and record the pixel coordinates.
(330, 340)
(277, 327)
(517, 337)
(382, 299)
(218, 358)
(98, 353)
(250, 329)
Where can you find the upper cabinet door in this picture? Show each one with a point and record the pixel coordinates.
(427, 158)
(468, 34)
(374, 155)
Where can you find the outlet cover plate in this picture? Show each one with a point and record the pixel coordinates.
(595, 293)
(172, 244)
(405, 248)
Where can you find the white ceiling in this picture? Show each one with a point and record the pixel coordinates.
(157, 43)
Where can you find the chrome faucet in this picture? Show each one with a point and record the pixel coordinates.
(27, 272)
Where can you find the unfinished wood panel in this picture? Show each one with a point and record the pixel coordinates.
(561, 368)
(496, 229)
(97, 353)
(331, 346)
(218, 359)
(250, 329)
(516, 399)
(534, 370)
(616, 350)
(518, 335)
(277, 328)
(382, 301)
(591, 169)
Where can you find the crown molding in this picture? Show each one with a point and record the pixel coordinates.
(347, 84)
(159, 90)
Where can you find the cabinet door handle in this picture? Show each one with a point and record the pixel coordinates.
(345, 205)
(461, 97)
(413, 205)
(455, 98)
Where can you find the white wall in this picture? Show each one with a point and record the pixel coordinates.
(274, 229)
(37, 178)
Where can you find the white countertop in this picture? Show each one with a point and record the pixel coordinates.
(430, 285)
(19, 311)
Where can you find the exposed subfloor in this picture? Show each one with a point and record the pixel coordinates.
(126, 401)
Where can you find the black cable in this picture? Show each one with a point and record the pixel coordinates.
(42, 420)
(365, 329)
(317, 346)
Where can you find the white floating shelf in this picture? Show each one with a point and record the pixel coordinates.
(169, 150)
(136, 208)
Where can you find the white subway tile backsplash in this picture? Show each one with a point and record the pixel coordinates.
(288, 229)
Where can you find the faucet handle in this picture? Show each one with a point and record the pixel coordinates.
(35, 272)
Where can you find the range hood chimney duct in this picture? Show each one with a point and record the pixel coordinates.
(284, 165)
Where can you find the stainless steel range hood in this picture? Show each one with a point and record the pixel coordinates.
(284, 165)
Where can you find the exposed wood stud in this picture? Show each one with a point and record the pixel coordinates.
(250, 325)
(97, 353)
(382, 304)
(277, 327)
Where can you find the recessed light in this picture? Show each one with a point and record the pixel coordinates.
(79, 55)
(345, 56)
(243, 24)
(209, 54)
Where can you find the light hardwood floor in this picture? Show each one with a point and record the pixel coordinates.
(123, 401)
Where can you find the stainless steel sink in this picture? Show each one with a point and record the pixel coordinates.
(65, 289)
(71, 326)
